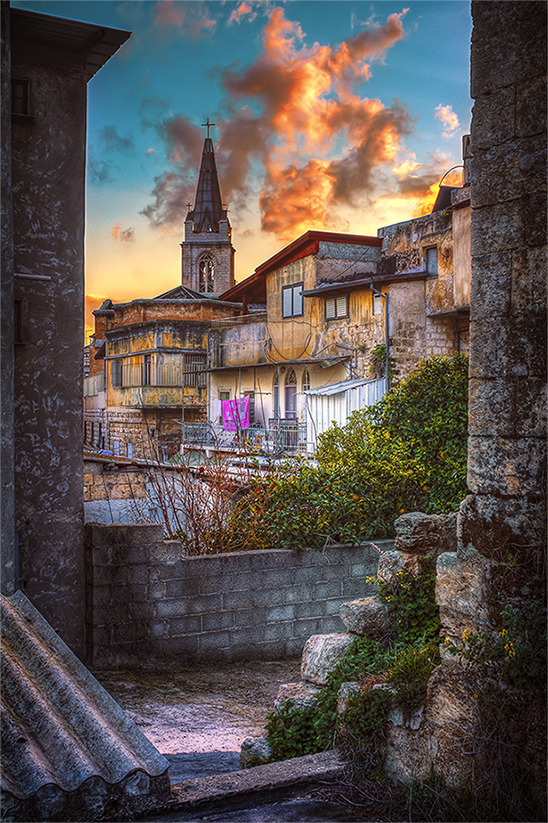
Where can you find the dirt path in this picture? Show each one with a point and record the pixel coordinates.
(201, 709)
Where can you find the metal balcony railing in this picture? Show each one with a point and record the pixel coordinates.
(280, 437)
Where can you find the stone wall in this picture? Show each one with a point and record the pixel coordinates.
(148, 603)
(476, 731)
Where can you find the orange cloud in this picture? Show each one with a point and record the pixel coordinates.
(297, 112)
(190, 18)
(449, 120)
(242, 10)
(125, 235)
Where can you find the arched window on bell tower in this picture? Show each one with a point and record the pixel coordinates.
(206, 274)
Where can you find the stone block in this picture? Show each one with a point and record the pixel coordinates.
(306, 627)
(298, 594)
(138, 574)
(217, 621)
(183, 625)
(141, 610)
(309, 608)
(498, 228)
(254, 751)
(249, 617)
(272, 578)
(524, 172)
(333, 572)
(247, 635)
(367, 617)
(273, 559)
(210, 584)
(530, 107)
(235, 600)
(502, 466)
(332, 607)
(524, 28)
(168, 551)
(529, 282)
(172, 608)
(330, 625)
(494, 114)
(306, 574)
(301, 695)
(393, 562)
(418, 533)
(321, 653)
(462, 588)
(323, 591)
(275, 613)
(269, 597)
(490, 344)
(497, 527)
(491, 285)
(492, 407)
(214, 641)
(205, 603)
(278, 631)
(180, 587)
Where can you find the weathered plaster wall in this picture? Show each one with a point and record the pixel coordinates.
(48, 187)
(145, 600)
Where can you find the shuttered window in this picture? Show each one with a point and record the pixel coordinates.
(292, 300)
(336, 307)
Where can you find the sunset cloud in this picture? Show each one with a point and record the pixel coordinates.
(125, 235)
(190, 18)
(448, 119)
(244, 9)
(297, 114)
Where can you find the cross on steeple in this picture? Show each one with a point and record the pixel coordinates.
(207, 124)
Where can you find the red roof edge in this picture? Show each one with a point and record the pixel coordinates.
(292, 251)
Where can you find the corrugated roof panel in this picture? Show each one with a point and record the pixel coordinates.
(59, 725)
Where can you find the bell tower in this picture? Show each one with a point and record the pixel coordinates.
(207, 250)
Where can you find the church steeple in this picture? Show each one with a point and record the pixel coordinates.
(208, 254)
(208, 208)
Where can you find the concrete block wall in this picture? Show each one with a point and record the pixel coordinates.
(146, 603)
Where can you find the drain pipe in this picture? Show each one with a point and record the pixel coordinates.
(386, 299)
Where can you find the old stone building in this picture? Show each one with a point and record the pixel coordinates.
(148, 357)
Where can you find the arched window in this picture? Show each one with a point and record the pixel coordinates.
(306, 380)
(291, 394)
(206, 271)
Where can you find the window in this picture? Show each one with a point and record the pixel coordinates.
(116, 446)
(336, 307)
(194, 370)
(251, 395)
(116, 373)
(20, 97)
(291, 395)
(432, 260)
(306, 380)
(377, 304)
(147, 370)
(292, 300)
(130, 449)
(206, 271)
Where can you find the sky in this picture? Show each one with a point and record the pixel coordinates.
(339, 115)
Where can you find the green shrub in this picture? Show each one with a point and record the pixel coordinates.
(406, 453)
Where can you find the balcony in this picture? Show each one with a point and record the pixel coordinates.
(279, 438)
